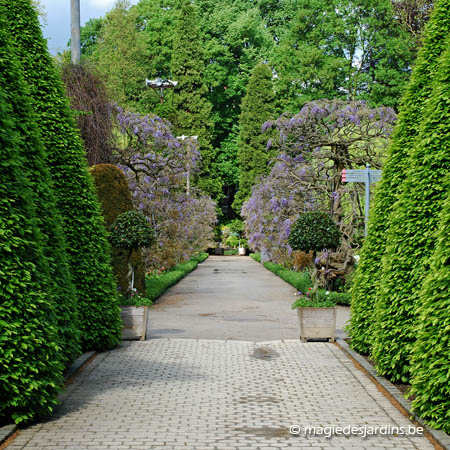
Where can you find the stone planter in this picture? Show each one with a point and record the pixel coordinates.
(135, 320)
(242, 251)
(317, 323)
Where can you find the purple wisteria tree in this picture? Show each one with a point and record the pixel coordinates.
(314, 146)
(158, 166)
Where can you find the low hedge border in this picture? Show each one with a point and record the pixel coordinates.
(301, 282)
(156, 285)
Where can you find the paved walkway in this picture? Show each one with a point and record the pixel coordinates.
(198, 394)
(230, 297)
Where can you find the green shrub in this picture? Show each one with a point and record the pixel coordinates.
(158, 284)
(30, 344)
(131, 231)
(115, 198)
(367, 277)
(302, 282)
(314, 231)
(83, 226)
(413, 222)
(256, 257)
(430, 360)
(304, 302)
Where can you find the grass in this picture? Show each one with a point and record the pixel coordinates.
(156, 285)
(301, 282)
(231, 252)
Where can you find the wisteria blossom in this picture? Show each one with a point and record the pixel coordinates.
(314, 146)
(158, 167)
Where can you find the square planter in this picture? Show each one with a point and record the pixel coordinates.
(317, 323)
(135, 320)
(242, 251)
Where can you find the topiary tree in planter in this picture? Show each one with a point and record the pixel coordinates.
(314, 231)
(115, 198)
(131, 231)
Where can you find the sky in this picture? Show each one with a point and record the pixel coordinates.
(57, 22)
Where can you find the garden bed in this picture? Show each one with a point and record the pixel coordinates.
(301, 281)
(156, 285)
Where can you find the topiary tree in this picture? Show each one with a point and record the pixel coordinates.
(131, 231)
(83, 226)
(31, 349)
(315, 231)
(258, 106)
(367, 277)
(115, 198)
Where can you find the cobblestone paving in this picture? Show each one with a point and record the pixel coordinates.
(181, 394)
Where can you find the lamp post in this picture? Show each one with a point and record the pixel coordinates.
(188, 185)
(161, 84)
(75, 45)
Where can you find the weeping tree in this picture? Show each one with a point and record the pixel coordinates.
(88, 97)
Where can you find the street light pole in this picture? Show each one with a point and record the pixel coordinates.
(75, 31)
(188, 180)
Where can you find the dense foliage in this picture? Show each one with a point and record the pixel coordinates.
(430, 365)
(258, 106)
(83, 227)
(115, 198)
(159, 167)
(410, 238)
(32, 348)
(367, 285)
(314, 231)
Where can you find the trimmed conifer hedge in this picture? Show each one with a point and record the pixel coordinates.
(368, 274)
(115, 198)
(83, 226)
(30, 352)
(431, 363)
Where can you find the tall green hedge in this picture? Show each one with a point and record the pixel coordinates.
(368, 273)
(412, 226)
(115, 199)
(48, 218)
(83, 227)
(30, 352)
(431, 362)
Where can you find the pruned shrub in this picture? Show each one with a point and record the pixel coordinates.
(83, 226)
(30, 343)
(115, 198)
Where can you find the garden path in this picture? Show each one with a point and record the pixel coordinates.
(229, 297)
(220, 394)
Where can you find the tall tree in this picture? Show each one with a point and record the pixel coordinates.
(367, 285)
(258, 106)
(76, 201)
(351, 49)
(191, 114)
(122, 54)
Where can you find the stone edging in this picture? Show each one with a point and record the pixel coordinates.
(396, 397)
(7, 431)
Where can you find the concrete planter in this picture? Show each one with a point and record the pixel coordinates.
(135, 320)
(317, 323)
(242, 251)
